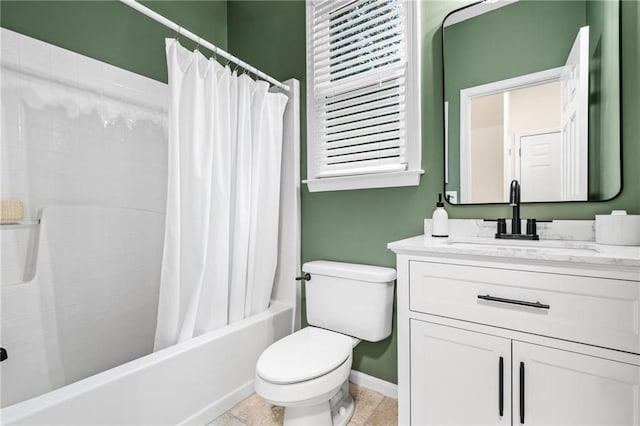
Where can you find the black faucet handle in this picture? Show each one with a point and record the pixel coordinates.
(502, 226)
(531, 227)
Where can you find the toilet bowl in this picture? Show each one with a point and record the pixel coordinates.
(307, 372)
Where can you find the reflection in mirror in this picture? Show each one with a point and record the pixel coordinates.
(532, 94)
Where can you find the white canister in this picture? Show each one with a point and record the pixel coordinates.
(618, 228)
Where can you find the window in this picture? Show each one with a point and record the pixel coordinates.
(363, 94)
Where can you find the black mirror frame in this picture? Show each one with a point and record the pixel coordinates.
(620, 127)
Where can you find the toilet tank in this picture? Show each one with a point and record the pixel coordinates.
(351, 299)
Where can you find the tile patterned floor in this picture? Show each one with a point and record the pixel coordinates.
(372, 409)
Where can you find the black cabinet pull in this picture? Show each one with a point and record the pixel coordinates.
(522, 393)
(501, 386)
(514, 301)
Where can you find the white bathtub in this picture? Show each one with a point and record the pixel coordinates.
(190, 383)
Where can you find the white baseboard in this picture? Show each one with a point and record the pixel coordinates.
(382, 386)
(220, 406)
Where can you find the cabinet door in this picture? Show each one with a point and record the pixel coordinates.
(566, 388)
(459, 377)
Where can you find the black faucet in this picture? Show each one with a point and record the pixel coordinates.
(514, 201)
(516, 227)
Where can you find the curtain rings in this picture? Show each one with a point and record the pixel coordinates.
(198, 44)
(178, 33)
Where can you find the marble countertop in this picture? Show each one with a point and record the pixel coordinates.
(566, 251)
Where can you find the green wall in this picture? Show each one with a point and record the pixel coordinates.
(114, 33)
(350, 226)
(498, 45)
(355, 226)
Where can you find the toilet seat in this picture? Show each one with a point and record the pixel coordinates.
(304, 355)
(308, 392)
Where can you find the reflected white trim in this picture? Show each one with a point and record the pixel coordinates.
(467, 95)
(475, 10)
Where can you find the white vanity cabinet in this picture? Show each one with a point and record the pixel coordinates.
(462, 377)
(567, 388)
(458, 377)
(490, 340)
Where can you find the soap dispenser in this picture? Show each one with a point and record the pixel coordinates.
(440, 220)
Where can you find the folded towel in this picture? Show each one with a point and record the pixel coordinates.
(11, 211)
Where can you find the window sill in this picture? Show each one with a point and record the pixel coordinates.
(378, 180)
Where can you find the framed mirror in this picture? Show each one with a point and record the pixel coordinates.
(532, 93)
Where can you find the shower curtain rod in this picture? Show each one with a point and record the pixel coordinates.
(202, 42)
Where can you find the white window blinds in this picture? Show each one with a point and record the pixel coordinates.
(357, 53)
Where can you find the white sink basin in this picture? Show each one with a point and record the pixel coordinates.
(567, 247)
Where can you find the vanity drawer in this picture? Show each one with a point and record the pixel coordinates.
(596, 311)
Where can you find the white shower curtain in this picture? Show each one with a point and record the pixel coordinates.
(221, 232)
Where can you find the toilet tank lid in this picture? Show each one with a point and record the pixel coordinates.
(352, 271)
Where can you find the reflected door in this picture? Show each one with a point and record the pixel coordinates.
(575, 93)
(540, 166)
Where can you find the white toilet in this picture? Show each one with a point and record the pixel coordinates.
(307, 372)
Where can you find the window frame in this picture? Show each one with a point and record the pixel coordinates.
(408, 177)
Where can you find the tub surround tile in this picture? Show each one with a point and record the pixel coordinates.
(95, 293)
(82, 132)
(372, 408)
